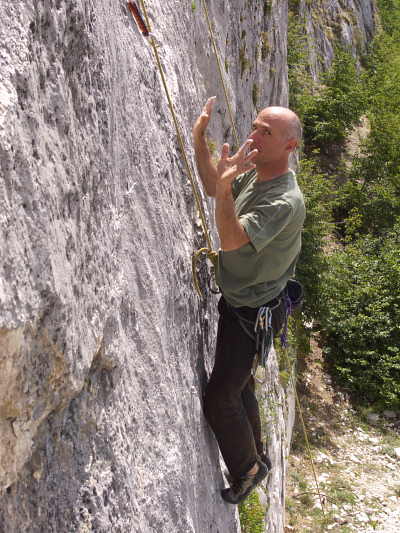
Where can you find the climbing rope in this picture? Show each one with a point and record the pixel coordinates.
(283, 344)
(146, 31)
(304, 429)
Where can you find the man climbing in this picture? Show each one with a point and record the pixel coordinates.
(259, 213)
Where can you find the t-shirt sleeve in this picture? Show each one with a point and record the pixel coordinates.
(263, 223)
(239, 182)
(236, 188)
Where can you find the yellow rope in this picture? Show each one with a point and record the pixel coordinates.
(304, 431)
(210, 253)
(220, 73)
(213, 257)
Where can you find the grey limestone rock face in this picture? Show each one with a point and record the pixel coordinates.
(350, 23)
(277, 404)
(105, 347)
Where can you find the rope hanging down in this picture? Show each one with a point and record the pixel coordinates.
(304, 430)
(146, 31)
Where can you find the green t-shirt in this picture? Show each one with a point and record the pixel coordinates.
(272, 213)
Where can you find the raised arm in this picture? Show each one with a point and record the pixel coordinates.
(206, 167)
(232, 234)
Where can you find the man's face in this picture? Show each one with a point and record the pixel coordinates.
(268, 137)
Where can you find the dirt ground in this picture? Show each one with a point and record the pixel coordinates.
(356, 454)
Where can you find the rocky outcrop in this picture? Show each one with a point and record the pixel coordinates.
(105, 347)
(349, 23)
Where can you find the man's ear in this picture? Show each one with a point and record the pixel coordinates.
(291, 144)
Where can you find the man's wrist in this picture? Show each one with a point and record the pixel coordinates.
(199, 134)
(223, 191)
(200, 143)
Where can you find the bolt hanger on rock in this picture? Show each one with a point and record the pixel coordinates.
(141, 23)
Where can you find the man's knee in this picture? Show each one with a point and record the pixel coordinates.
(216, 407)
(208, 406)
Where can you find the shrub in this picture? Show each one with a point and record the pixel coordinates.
(330, 112)
(362, 292)
(352, 287)
(251, 515)
(312, 263)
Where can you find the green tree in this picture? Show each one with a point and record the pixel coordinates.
(352, 285)
(362, 328)
(372, 185)
(313, 264)
(335, 106)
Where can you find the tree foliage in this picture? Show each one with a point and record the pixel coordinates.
(313, 263)
(362, 327)
(330, 113)
(353, 286)
(330, 108)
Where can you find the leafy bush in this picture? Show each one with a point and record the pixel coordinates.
(352, 286)
(336, 105)
(380, 156)
(251, 515)
(312, 263)
(372, 186)
(330, 108)
(362, 327)
(360, 209)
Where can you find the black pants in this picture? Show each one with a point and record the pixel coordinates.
(230, 403)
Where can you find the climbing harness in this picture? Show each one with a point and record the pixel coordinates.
(264, 339)
(146, 29)
(262, 333)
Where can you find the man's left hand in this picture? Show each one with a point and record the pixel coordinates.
(229, 168)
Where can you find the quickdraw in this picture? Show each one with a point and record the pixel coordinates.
(141, 23)
(264, 335)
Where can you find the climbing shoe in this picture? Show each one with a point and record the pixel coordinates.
(264, 458)
(242, 486)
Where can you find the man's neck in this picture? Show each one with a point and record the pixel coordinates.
(270, 172)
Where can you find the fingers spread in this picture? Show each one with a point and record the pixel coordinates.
(225, 151)
(250, 156)
(245, 146)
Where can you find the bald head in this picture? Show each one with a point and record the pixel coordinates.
(290, 121)
(275, 134)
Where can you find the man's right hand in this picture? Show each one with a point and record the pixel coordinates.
(206, 167)
(200, 126)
